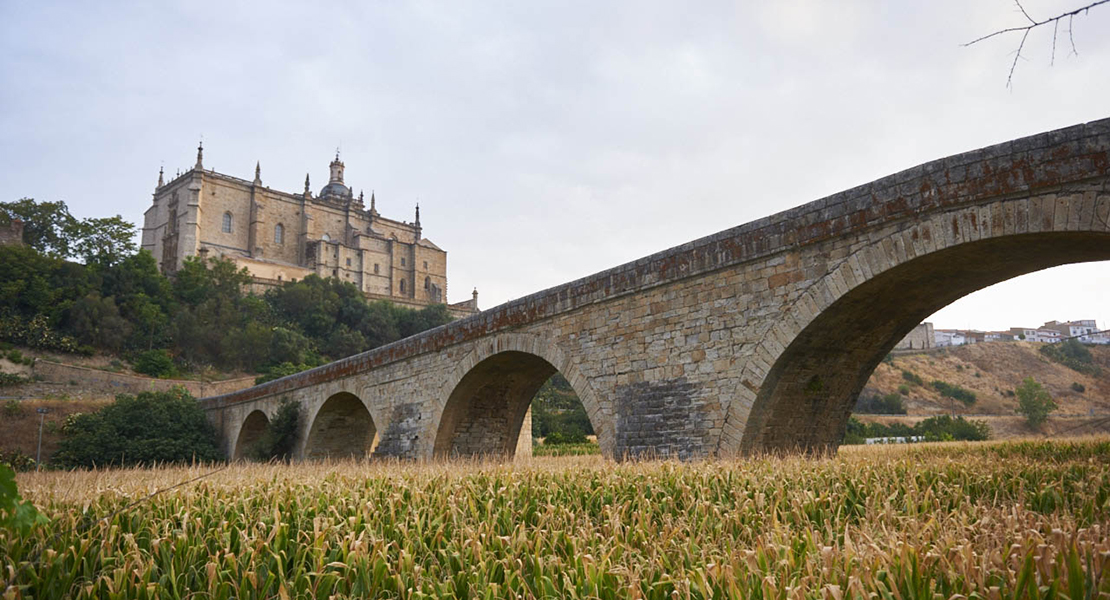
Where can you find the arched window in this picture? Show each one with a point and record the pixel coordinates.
(326, 238)
(402, 286)
(427, 283)
(279, 234)
(227, 222)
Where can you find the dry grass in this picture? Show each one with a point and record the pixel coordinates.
(937, 520)
(990, 370)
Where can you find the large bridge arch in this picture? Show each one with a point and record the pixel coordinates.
(250, 433)
(485, 399)
(816, 359)
(339, 427)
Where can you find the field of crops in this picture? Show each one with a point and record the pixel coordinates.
(932, 521)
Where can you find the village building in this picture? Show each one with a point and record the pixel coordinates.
(1084, 330)
(282, 236)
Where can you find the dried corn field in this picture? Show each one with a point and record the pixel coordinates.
(933, 521)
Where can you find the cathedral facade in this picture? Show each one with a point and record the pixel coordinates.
(280, 236)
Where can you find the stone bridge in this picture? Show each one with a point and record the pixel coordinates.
(757, 338)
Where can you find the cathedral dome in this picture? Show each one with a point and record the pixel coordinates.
(336, 188)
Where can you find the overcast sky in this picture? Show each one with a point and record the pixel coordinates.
(544, 141)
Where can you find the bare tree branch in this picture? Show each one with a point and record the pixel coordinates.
(1033, 24)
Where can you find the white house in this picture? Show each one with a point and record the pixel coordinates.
(949, 337)
(1083, 330)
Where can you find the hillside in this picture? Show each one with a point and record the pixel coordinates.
(992, 370)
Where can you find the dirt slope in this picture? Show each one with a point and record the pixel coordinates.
(990, 370)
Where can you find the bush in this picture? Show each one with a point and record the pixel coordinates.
(912, 377)
(280, 370)
(890, 404)
(945, 428)
(7, 379)
(152, 427)
(280, 437)
(17, 461)
(13, 409)
(36, 334)
(948, 390)
(1078, 387)
(156, 363)
(16, 514)
(904, 390)
(557, 438)
(1072, 355)
(940, 428)
(1034, 402)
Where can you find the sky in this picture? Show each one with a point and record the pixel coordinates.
(546, 141)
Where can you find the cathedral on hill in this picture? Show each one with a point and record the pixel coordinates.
(281, 236)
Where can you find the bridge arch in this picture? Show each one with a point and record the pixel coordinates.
(250, 432)
(489, 392)
(341, 427)
(814, 361)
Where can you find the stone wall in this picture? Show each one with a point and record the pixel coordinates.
(921, 338)
(11, 234)
(122, 383)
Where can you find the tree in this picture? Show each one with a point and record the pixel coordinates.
(152, 427)
(1034, 402)
(106, 241)
(96, 321)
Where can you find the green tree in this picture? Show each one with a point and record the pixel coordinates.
(152, 427)
(156, 363)
(1034, 402)
(106, 240)
(96, 321)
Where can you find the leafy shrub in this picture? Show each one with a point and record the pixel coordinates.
(939, 428)
(7, 379)
(35, 333)
(280, 437)
(557, 438)
(904, 390)
(15, 514)
(280, 370)
(944, 427)
(1078, 387)
(156, 363)
(152, 427)
(890, 404)
(567, 449)
(912, 378)
(1034, 402)
(17, 460)
(13, 409)
(948, 390)
(1072, 355)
